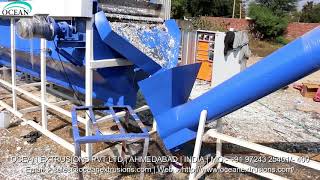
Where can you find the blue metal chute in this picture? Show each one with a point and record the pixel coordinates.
(170, 88)
(166, 43)
(298, 59)
(122, 46)
(153, 39)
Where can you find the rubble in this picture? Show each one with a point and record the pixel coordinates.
(283, 116)
(199, 88)
(273, 119)
(145, 116)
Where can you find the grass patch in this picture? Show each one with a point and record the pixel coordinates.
(263, 48)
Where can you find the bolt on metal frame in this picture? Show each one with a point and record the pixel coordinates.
(197, 172)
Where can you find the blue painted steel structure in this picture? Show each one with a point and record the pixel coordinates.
(177, 125)
(132, 53)
(98, 136)
(114, 85)
(122, 46)
(167, 89)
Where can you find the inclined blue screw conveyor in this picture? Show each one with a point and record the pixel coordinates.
(294, 61)
(85, 47)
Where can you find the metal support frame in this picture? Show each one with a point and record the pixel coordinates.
(109, 63)
(44, 116)
(30, 85)
(42, 100)
(55, 107)
(198, 144)
(13, 63)
(98, 136)
(91, 65)
(38, 99)
(253, 146)
(219, 142)
(89, 80)
(35, 125)
(37, 108)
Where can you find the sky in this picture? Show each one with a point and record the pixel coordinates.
(303, 2)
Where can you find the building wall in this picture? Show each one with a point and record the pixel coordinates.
(238, 24)
(293, 31)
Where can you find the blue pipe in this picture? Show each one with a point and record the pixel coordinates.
(296, 60)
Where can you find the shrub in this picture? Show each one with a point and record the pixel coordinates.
(265, 23)
(203, 24)
(282, 40)
(263, 48)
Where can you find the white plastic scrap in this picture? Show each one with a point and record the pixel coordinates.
(133, 32)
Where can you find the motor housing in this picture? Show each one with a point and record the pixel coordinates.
(43, 27)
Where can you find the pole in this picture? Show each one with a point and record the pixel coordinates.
(89, 80)
(234, 8)
(240, 9)
(43, 75)
(13, 63)
(197, 147)
(219, 142)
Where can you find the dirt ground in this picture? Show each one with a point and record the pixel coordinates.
(283, 120)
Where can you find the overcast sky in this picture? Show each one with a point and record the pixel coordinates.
(302, 2)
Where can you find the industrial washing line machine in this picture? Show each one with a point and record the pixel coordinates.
(101, 49)
(108, 50)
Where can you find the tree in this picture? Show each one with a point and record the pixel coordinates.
(240, 6)
(196, 8)
(178, 9)
(266, 23)
(310, 13)
(279, 7)
(210, 7)
(222, 8)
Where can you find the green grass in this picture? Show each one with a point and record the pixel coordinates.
(263, 48)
